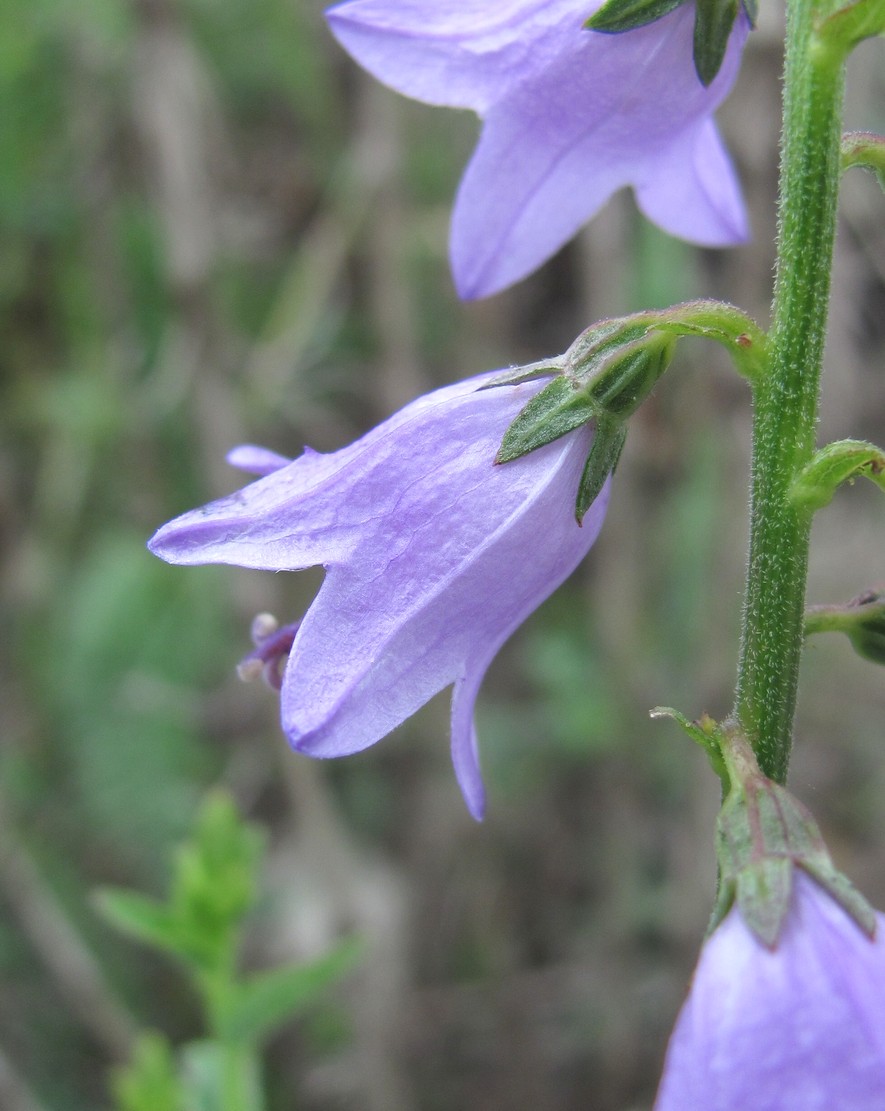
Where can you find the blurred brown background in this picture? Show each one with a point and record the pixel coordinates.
(215, 229)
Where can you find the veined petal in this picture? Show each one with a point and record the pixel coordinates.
(293, 518)
(465, 749)
(464, 54)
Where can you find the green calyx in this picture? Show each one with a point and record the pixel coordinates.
(602, 378)
(763, 835)
(608, 372)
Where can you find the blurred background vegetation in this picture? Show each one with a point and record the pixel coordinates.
(216, 230)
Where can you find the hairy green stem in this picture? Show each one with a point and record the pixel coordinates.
(786, 399)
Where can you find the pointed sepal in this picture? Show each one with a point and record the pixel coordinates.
(530, 372)
(608, 442)
(558, 409)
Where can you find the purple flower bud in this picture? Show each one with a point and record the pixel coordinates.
(569, 117)
(433, 554)
(796, 1027)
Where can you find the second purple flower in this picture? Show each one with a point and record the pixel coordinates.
(569, 117)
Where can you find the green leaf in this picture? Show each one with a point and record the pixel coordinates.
(842, 461)
(704, 732)
(626, 15)
(559, 408)
(216, 871)
(142, 918)
(213, 888)
(714, 20)
(269, 999)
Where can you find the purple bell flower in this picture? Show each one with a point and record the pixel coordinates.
(433, 554)
(798, 1027)
(569, 117)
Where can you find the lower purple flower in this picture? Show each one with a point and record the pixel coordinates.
(800, 1027)
(434, 555)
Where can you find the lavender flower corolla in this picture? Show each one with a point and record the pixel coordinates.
(569, 117)
(433, 554)
(799, 1027)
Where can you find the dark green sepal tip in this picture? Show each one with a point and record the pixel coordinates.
(714, 20)
(608, 443)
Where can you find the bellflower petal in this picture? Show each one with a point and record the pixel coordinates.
(433, 554)
(800, 1027)
(570, 116)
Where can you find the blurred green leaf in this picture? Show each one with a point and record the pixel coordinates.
(216, 872)
(149, 1082)
(143, 919)
(269, 999)
(213, 888)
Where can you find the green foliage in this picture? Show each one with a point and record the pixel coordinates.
(149, 1082)
(266, 1001)
(213, 889)
(201, 922)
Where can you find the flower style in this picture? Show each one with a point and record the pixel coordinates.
(570, 116)
(433, 553)
(799, 1027)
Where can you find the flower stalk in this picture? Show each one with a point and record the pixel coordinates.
(786, 400)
